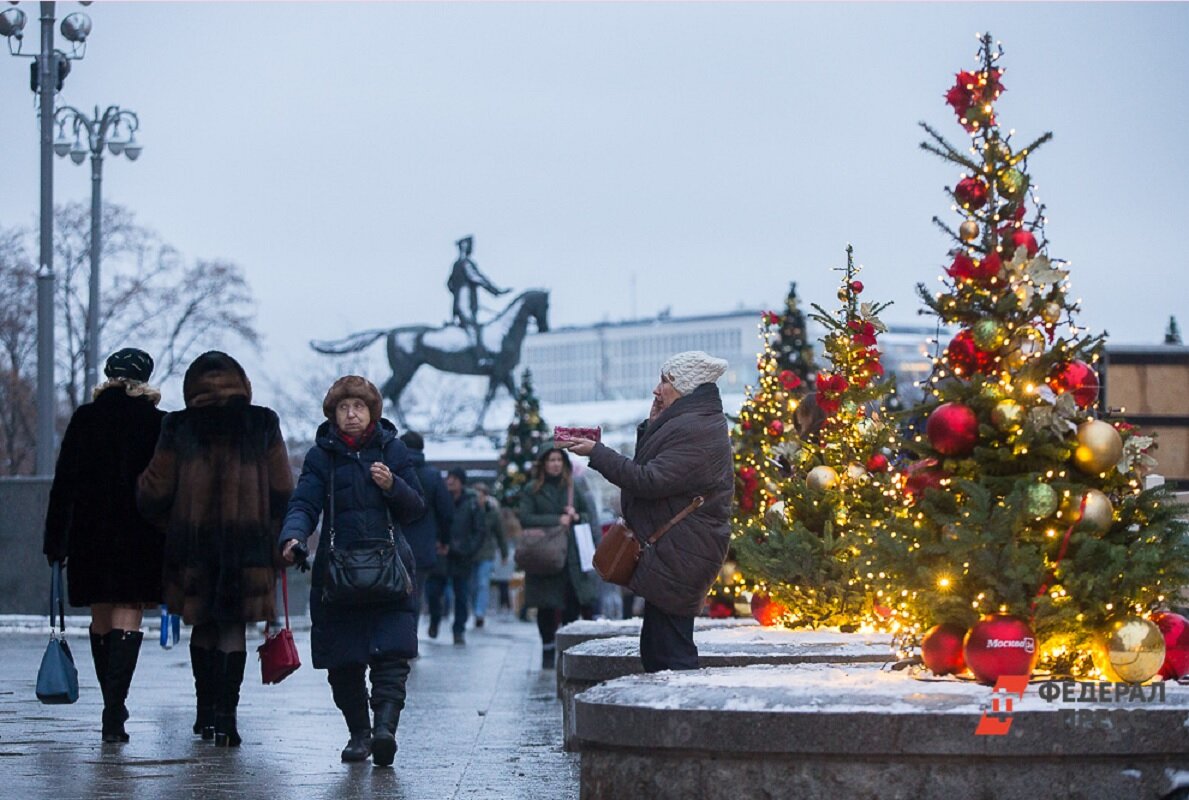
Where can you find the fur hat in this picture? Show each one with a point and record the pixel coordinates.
(353, 386)
(213, 378)
(136, 365)
(689, 370)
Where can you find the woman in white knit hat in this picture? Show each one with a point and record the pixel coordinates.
(683, 451)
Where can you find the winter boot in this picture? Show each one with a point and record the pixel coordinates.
(548, 656)
(230, 677)
(359, 746)
(99, 656)
(123, 650)
(384, 735)
(202, 664)
(350, 695)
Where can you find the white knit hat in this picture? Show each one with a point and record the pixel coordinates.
(689, 370)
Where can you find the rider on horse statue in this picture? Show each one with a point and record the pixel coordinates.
(466, 275)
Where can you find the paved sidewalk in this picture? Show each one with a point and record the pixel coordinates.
(482, 721)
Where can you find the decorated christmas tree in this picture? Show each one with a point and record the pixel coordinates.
(525, 434)
(832, 477)
(793, 349)
(1024, 526)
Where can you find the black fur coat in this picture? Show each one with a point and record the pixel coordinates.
(114, 554)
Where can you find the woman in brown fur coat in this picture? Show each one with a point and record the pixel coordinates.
(218, 484)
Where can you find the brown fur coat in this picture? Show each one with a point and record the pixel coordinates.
(218, 484)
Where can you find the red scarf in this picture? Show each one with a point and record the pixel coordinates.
(353, 442)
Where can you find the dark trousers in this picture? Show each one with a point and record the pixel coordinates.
(388, 675)
(435, 586)
(667, 641)
(422, 577)
(550, 619)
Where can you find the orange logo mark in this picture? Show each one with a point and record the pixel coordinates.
(997, 721)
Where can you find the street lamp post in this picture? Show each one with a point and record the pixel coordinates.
(50, 67)
(102, 131)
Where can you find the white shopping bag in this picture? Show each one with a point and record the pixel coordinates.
(586, 546)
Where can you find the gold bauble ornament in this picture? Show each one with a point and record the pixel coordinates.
(988, 334)
(999, 149)
(821, 478)
(1012, 184)
(843, 295)
(855, 471)
(1051, 313)
(968, 231)
(1097, 515)
(1007, 416)
(1099, 447)
(1026, 342)
(1131, 650)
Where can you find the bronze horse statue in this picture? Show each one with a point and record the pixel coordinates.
(448, 348)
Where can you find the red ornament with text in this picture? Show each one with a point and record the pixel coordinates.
(952, 429)
(766, 610)
(1176, 644)
(941, 649)
(1077, 378)
(1000, 645)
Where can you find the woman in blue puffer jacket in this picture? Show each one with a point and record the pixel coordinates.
(375, 488)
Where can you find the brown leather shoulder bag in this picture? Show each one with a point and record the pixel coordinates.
(619, 551)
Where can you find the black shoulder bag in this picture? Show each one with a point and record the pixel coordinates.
(367, 575)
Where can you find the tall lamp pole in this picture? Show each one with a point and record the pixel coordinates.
(102, 131)
(49, 69)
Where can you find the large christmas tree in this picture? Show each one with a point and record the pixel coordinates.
(1022, 500)
(526, 432)
(833, 478)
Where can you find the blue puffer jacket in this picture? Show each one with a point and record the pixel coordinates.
(426, 532)
(352, 635)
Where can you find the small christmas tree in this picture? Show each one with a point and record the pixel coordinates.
(793, 349)
(834, 478)
(1022, 501)
(525, 434)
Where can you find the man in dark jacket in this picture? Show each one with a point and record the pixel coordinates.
(683, 452)
(468, 529)
(432, 531)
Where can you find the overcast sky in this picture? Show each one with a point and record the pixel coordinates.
(709, 152)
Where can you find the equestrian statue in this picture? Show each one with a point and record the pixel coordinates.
(464, 345)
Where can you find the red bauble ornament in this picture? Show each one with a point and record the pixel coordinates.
(745, 425)
(963, 354)
(971, 192)
(747, 473)
(775, 428)
(1176, 644)
(941, 649)
(922, 475)
(952, 429)
(765, 609)
(1025, 239)
(1079, 379)
(1000, 645)
(877, 463)
(856, 287)
(720, 609)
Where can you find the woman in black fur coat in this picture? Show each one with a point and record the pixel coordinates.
(112, 555)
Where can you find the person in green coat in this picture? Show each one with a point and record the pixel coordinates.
(571, 593)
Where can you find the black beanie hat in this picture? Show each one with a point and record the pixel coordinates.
(136, 365)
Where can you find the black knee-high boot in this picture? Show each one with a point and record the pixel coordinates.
(99, 655)
(231, 676)
(203, 665)
(350, 695)
(123, 650)
(388, 698)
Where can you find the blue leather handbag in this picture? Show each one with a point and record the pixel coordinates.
(57, 679)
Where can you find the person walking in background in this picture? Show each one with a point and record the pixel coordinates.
(371, 473)
(546, 503)
(468, 528)
(429, 533)
(112, 555)
(485, 557)
(683, 451)
(218, 484)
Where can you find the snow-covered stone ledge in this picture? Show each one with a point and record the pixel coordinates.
(584, 630)
(858, 732)
(599, 660)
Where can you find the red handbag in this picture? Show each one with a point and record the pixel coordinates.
(278, 654)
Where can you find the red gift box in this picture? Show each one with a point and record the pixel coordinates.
(563, 436)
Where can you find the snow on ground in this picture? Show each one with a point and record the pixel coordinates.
(826, 688)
